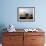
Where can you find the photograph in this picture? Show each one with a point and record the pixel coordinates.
(26, 14)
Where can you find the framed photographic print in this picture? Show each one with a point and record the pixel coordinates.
(26, 14)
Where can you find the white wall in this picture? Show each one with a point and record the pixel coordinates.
(8, 13)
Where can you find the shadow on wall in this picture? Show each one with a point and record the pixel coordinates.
(2, 26)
